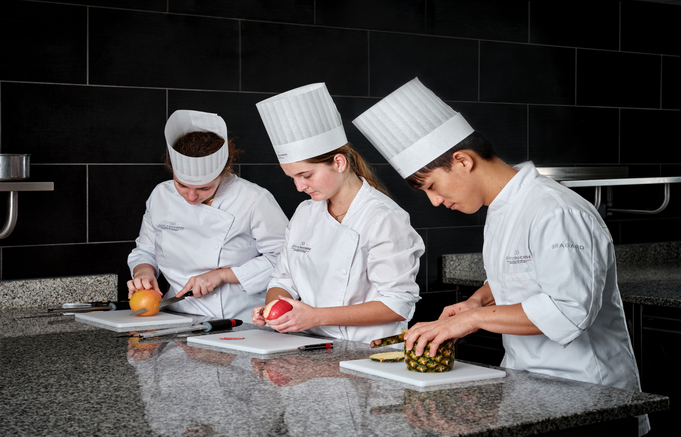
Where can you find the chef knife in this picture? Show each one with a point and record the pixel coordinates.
(166, 302)
(213, 325)
(82, 307)
(387, 341)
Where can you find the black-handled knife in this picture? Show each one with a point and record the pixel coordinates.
(83, 307)
(213, 325)
(166, 302)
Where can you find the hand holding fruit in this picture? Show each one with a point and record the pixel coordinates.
(299, 318)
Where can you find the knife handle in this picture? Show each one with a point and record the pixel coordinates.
(222, 324)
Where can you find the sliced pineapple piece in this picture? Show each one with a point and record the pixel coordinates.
(388, 357)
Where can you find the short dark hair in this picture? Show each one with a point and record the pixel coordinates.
(474, 142)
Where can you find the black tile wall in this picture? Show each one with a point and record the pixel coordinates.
(163, 50)
(115, 214)
(53, 42)
(581, 23)
(500, 20)
(396, 15)
(671, 92)
(146, 5)
(241, 116)
(521, 73)
(276, 58)
(51, 217)
(562, 135)
(505, 126)
(87, 85)
(397, 59)
(618, 79)
(83, 124)
(288, 11)
(650, 27)
(650, 136)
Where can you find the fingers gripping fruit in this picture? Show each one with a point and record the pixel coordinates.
(147, 299)
(276, 308)
(443, 361)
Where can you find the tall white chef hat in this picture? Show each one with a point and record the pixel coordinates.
(302, 123)
(412, 126)
(191, 170)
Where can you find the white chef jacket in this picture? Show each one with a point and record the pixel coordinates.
(242, 229)
(547, 248)
(373, 255)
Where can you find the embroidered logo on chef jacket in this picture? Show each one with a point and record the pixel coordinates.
(517, 258)
(568, 246)
(302, 248)
(171, 226)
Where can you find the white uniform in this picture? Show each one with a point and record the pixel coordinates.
(548, 248)
(373, 255)
(243, 229)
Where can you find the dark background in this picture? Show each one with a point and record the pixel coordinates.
(86, 88)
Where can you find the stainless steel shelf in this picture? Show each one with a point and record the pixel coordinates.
(622, 181)
(26, 186)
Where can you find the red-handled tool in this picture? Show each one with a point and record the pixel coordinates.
(213, 325)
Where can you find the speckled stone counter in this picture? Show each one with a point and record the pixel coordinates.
(83, 380)
(648, 274)
(53, 292)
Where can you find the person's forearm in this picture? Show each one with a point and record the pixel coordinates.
(274, 293)
(143, 269)
(503, 319)
(227, 276)
(483, 295)
(363, 314)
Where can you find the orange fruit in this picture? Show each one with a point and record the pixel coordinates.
(147, 299)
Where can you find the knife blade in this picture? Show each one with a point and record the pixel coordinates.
(166, 302)
(387, 341)
(212, 325)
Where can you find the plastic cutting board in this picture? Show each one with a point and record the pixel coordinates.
(461, 372)
(125, 319)
(256, 341)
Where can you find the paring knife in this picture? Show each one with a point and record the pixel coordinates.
(213, 325)
(387, 341)
(166, 302)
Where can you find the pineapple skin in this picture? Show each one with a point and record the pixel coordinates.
(443, 361)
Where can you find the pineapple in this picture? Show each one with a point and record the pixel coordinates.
(388, 357)
(442, 362)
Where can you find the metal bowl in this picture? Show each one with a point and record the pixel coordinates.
(14, 166)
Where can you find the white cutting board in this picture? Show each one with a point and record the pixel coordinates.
(461, 372)
(257, 341)
(126, 319)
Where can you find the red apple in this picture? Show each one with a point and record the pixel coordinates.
(276, 308)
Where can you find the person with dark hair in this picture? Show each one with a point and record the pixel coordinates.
(551, 286)
(207, 229)
(349, 263)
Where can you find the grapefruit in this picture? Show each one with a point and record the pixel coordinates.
(147, 299)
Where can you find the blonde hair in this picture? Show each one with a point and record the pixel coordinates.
(357, 164)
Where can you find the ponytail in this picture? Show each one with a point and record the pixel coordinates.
(357, 164)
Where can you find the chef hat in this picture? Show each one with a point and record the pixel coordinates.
(302, 123)
(188, 169)
(412, 126)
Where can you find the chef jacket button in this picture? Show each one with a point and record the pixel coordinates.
(215, 247)
(344, 272)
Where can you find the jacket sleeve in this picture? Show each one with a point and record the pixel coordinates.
(145, 250)
(268, 225)
(393, 262)
(572, 254)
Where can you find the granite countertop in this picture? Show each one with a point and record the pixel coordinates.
(648, 274)
(63, 377)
